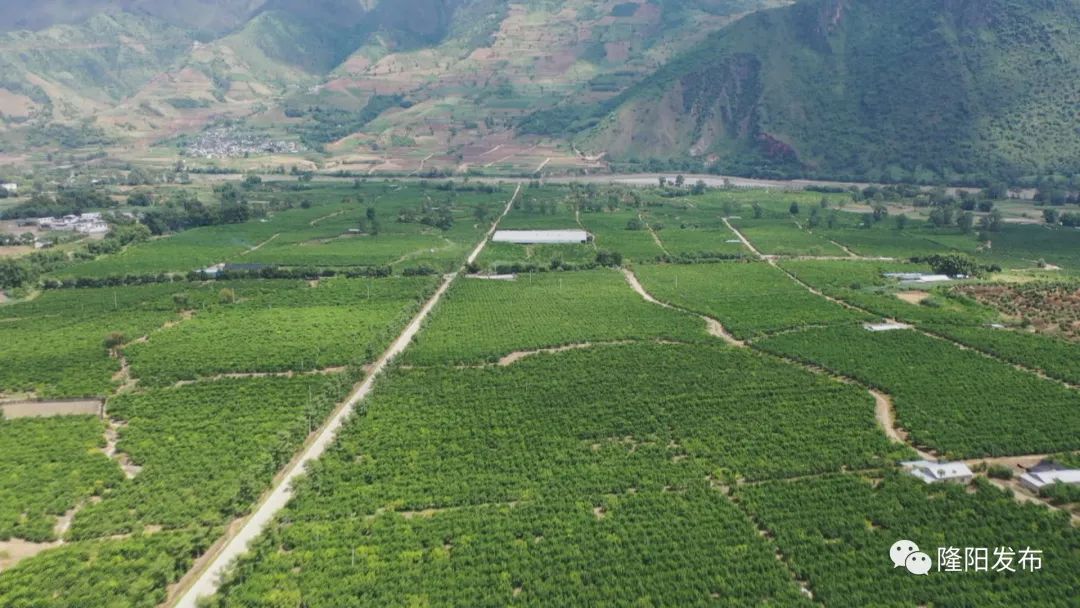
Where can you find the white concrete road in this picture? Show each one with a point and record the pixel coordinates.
(209, 578)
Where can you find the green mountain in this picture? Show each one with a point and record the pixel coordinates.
(369, 80)
(863, 89)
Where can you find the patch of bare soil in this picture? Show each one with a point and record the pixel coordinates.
(1050, 308)
(15, 251)
(14, 551)
(112, 436)
(41, 409)
(13, 104)
(913, 297)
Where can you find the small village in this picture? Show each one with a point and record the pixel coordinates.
(230, 142)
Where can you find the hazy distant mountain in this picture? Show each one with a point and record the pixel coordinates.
(142, 70)
(211, 16)
(868, 88)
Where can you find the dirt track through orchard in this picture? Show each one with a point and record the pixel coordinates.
(204, 580)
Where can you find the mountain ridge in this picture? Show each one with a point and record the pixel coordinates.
(855, 90)
(866, 89)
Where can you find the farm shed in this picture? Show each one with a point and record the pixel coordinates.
(541, 237)
(918, 277)
(938, 472)
(1048, 474)
(886, 326)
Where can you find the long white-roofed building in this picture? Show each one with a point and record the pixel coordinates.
(541, 237)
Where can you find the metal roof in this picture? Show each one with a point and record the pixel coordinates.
(526, 237)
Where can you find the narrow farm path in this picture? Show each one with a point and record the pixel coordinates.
(516, 356)
(204, 579)
(260, 245)
(849, 252)
(325, 371)
(745, 241)
(316, 221)
(716, 329)
(655, 237)
(886, 417)
(577, 218)
(423, 161)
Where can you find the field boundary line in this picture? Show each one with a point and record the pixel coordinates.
(769, 537)
(234, 544)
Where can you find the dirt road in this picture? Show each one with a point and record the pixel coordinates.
(714, 327)
(207, 579)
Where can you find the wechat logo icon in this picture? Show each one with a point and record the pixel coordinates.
(906, 554)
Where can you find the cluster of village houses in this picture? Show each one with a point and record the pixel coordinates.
(87, 223)
(90, 224)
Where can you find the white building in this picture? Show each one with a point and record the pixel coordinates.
(87, 223)
(938, 472)
(918, 277)
(1044, 475)
(888, 326)
(540, 237)
(92, 227)
(10, 187)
